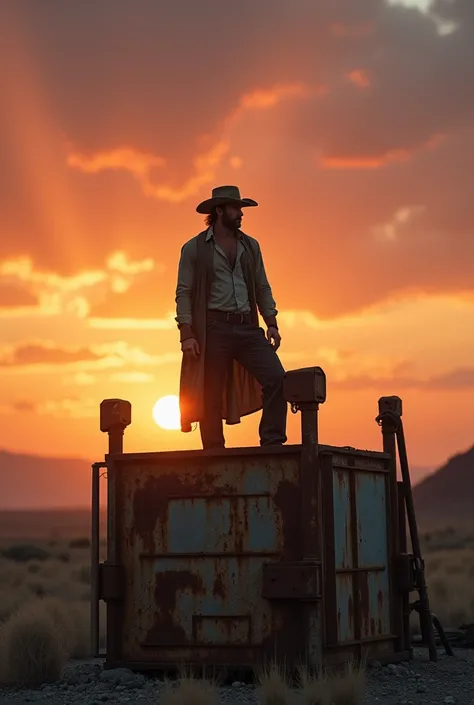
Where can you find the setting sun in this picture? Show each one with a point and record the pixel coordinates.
(166, 413)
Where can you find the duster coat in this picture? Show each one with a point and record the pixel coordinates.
(242, 393)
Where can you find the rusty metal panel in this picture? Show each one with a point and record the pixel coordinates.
(372, 507)
(373, 553)
(194, 533)
(360, 535)
(345, 607)
(342, 520)
(375, 604)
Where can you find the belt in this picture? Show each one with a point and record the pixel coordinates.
(229, 316)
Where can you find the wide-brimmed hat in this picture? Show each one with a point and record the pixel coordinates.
(222, 195)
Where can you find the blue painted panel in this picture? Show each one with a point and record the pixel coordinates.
(345, 607)
(218, 604)
(376, 594)
(216, 525)
(342, 519)
(371, 502)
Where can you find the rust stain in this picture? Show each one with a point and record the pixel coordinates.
(288, 500)
(380, 599)
(350, 612)
(219, 587)
(364, 602)
(151, 500)
(167, 630)
(373, 630)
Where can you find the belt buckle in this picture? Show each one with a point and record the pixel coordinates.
(232, 314)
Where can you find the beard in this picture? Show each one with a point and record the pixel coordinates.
(232, 223)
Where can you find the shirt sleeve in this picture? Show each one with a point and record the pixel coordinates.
(265, 301)
(184, 288)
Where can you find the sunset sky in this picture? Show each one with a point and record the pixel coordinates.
(350, 122)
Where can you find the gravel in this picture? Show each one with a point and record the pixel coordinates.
(418, 682)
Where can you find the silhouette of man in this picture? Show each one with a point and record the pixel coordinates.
(230, 367)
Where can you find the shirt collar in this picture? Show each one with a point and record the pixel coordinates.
(210, 234)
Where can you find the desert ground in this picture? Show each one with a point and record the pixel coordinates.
(44, 616)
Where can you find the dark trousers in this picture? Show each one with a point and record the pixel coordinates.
(248, 345)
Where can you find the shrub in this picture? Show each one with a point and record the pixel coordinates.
(347, 688)
(80, 543)
(32, 647)
(190, 691)
(273, 687)
(22, 553)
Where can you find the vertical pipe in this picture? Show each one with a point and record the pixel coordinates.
(311, 525)
(389, 441)
(95, 544)
(116, 440)
(402, 523)
(310, 483)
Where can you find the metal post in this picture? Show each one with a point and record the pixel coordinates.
(305, 389)
(115, 416)
(310, 483)
(389, 440)
(95, 557)
(390, 418)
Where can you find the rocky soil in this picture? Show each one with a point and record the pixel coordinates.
(448, 682)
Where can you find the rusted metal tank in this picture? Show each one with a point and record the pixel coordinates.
(237, 557)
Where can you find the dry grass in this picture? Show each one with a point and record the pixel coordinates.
(50, 576)
(49, 594)
(344, 688)
(348, 687)
(273, 686)
(449, 562)
(32, 647)
(190, 691)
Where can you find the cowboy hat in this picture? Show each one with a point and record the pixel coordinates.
(222, 195)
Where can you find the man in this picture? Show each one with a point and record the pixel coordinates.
(230, 368)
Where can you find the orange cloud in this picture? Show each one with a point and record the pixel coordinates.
(103, 356)
(141, 165)
(457, 379)
(137, 163)
(12, 296)
(356, 30)
(359, 78)
(396, 156)
(43, 353)
(53, 293)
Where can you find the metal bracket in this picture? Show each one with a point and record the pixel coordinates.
(406, 572)
(298, 581)
(111, 581)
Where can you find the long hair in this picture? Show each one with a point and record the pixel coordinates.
(211, 219)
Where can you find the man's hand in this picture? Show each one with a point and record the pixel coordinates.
(273, 337)
(190, 348)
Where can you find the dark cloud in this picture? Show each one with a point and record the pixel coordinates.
(43, 354)
(455, 380)
(391, 130)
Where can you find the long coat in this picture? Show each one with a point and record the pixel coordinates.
(242, 393)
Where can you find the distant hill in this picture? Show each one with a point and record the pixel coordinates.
(29, 482)
(447, 495)
(34, 482)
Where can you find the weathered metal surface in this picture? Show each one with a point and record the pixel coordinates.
(194, 538)
(292, 581)
(357, 487)
(111, 581)
(212, 545)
